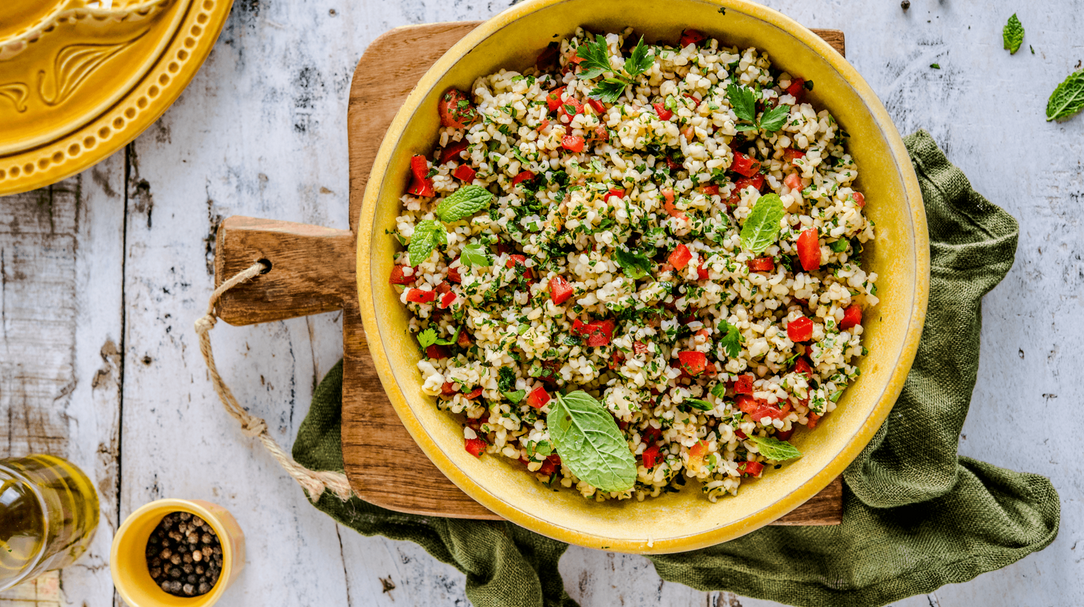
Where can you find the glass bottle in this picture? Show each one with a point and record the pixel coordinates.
(48, 515)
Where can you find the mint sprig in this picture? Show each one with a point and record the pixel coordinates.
(427, 235)
(1013, 34)
(1068, 99)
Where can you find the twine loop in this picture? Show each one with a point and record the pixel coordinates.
(314, 482)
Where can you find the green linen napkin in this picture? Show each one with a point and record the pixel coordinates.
(916, 515)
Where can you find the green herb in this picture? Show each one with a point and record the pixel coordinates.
(719, 390)
(839, 246)
(775, 449)
(635, 265)
(429, 337)
(596, 57)
(775, 118)
(463, 203)
(427, 235)
(474, 255)
(640, 60)
(744, 102)
(762, 226)
(516, 396)
(731, 340)
(1032, 49)
(609, 90)
(1068, 99)
(835, 395)
(1013, 34)
(935, 66)
(590, 443)
(696, 403)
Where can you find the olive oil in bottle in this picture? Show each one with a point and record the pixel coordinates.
(48, 515)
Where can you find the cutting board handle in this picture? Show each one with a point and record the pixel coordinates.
(311, 269)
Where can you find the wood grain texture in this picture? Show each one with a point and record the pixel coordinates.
(313, 271)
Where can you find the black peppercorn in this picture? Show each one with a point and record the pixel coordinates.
(184, 556)
(906, 4)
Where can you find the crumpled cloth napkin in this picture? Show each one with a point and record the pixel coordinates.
(916, 514)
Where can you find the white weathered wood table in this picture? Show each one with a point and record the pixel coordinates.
(103, 275)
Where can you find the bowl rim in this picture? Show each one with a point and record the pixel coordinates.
(800, 494)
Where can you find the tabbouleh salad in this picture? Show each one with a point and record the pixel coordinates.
(635, 265)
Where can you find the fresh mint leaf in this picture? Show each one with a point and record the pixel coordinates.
(596, 57)
(775, 449)
(640, 60)
(1068, 99)
(590, 443)
(699, 405)
(635, 265)
(427, 235)
(775, 118)
(1013, 34)
(839, 246)
(935, 66)
(515, 397)
(743, 101)
(609, 90)
(731, 340)
(474, 255)
(761, 228)
(463, 203)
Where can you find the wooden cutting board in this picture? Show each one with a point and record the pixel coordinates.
(312, 271)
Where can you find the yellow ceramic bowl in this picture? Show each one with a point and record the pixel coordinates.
(128, 561)
(900, 256)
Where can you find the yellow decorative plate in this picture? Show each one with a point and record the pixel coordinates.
(81, 78)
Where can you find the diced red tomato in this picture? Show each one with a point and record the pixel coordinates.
(522, 176)
(802, 367)
(660, 109)
(809, 250)
(765, 410)
(688, 132)
(851, 316)
(692, 362)
(673, 164)
(739, 185)
(421, 296)
(474, 446)
(649, 456)
(538, 397)
(549, 466)
(599, 134)
(651, 435)
(791, 154)
(444, 287)
(697, 453)
(614, 192)
(599, 333)
(436, 352)
(398, 277)
(455, 109)
(745, 165)
(702, 272)
(463, 173)
(668, 194)
(453, 150)
(421, 187)
(761, 264)
(639, 347)
(859, 199)
(554, 98)
(463, 341)
(475, 393)
(560, 290)
(741, 435)
(448, 388)
(446, 300)
(454, 276)
(784, 434)
(793, 181)
(572, 143)
(596, 105)
(519, 260)
(751, 468)
(797, 89)
(696, 102)
(812, 418)
(672, 210)
(744, 384)
(570, 107)
(709, 190)
(680, 257)
(691, 36)
(800, 329)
